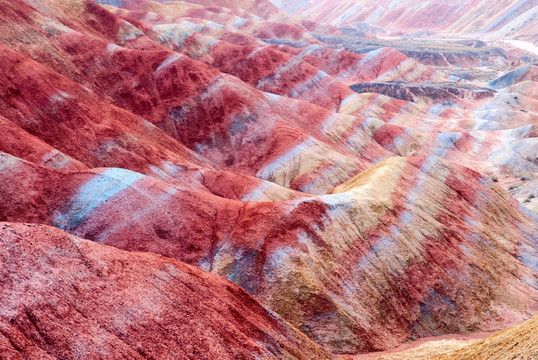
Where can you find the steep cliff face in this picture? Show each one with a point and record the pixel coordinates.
(228, 136)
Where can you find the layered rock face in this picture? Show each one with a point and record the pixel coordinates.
(357, 196)
(386, 244)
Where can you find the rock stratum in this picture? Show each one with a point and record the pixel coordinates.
(359, 191)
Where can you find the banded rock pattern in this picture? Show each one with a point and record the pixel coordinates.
(227, 135)
(500, 18)
(404, 250)
(93, 301)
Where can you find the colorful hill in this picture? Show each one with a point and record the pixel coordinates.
(65, 297)
(506, 18)
(359, 191)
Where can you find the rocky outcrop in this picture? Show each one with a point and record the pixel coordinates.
(444, 93)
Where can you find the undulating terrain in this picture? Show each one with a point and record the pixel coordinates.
(255, 179)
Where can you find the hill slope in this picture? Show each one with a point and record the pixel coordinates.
(517, 342)
(455, 17)
(65, 297)
(361, 188)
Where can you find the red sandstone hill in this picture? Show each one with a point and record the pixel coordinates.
(65, 297)
(344, 287)
(226, 135)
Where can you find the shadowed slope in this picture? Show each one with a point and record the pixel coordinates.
(152, 133)
(22, 144)
(461, 125)
(294, 144)
(218, 116)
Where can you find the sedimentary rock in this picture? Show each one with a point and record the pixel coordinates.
(66, 297)
(224, 135)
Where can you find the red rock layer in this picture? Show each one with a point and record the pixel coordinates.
(65, 297)
(384, 253)
(152, 133)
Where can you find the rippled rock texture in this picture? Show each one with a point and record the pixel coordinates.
(224, 138)
(65, 297)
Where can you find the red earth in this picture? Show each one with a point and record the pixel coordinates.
(224, 138)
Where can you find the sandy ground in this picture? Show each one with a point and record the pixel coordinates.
(451, 340)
